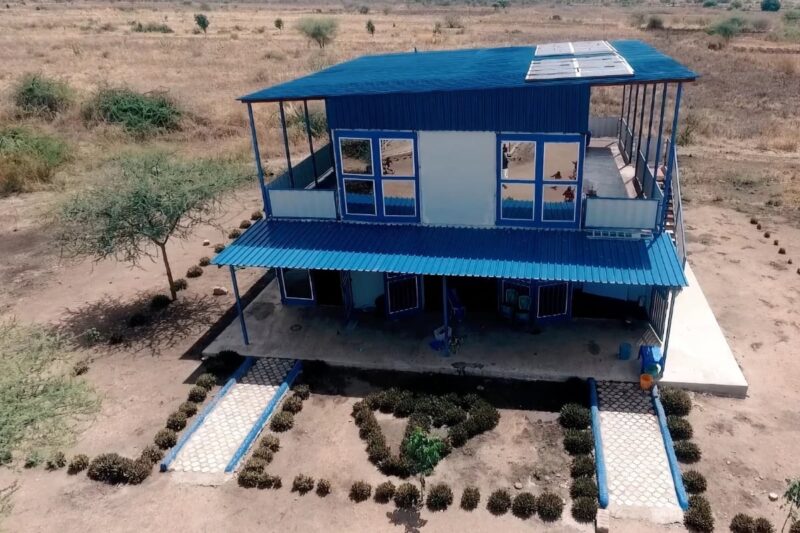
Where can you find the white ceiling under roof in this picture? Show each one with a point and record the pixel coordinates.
(574, 48)
(585, 59)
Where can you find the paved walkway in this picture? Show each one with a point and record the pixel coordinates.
(211, 447)
(639, 478)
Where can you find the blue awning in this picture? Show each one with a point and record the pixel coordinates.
(539, 254)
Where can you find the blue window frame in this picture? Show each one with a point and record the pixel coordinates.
(297, 287)
(539, 179)
(378, 175)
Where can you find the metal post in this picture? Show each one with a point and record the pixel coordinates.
(310, 142)
(639, 137)
(286, 143)
(673, 295)
(671, 155)
(446, 316)
(259, 168)
(660, 129)
(622, 111)
(649, 136)
(239, 308)
(633, 128)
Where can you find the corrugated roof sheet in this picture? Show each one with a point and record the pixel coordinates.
(547, 255)
(459, 70)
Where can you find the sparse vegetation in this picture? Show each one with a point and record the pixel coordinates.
(202, 22)
(499, 502)
(78, 464)
(56, 461)
(151, 27)
(139, 114)
(28, 159)
(360, 491)
(321, 30)
(37, 95)
(550, 506)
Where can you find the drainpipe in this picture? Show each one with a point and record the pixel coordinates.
(239, 308)
(259, 167)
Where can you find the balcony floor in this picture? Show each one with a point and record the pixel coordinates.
(605, 169)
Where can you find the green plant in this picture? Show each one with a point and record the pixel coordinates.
(5, 456)
(424, 452)
(524, 505)
(206, 380)
(710, 3)
(282, 421)
(675, 401)
(179, 284)
(255, 464)
(791, 501)
(112, 468)
(160, 301)
(279, 23)
(194, 271)
(139, 114)
(574, 416)
(249, 479)
(384, 492)
(582, 465)
(694, 482)
(151, 27)
(742, 523)
(33, 459)
(578, 441)
(165, 439)
(176, 421)
(762, 525)
(654, 22)
(263, 453)
(302, 391)
(292, 404)
(202, 22)
(80, 368)
(727, 29)
(188, 408)
(218, 248)
(687, 451)
(56, 461)
(583, 486)
(319, 30)
(360, 491)
(234, 233)
(151, 454)
(271, 442)
(302, 484)
(370, 27)
(584, 509)
(38, 95)
(440, 497)
(204, 261)
(28, 159)
(407, 496)
(499, 502)
(770, 5)
(323, 488)
(550, 506)
(698, 516)
(78, 464)
(470, 498)
(256, 215)
(679, 428)
(197, 394)
(244, 224)
(363, 10)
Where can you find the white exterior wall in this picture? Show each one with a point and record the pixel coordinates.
(457, 177)
(367, 286)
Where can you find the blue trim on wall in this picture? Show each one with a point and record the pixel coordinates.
(677, 478)
(201, 416)
(262, 419)
(599, 458)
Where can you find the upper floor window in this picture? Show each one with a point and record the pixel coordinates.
(378, 173)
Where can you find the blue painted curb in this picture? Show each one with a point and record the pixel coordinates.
(262, 419)
(236, 376)
(677, 478)
(599, 458)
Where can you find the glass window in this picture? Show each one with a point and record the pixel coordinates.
(561, 161)
(297, 283)
(397, 157)
(558, 202)
(516, 201)
(399, 198)
(553, 300)
(403, 294)
(518, 160)
(359, 196)
(356, 156)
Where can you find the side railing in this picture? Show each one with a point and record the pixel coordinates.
(677, 206)
(308, 191)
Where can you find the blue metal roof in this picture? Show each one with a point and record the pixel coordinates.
(459, 70)
(547, 255)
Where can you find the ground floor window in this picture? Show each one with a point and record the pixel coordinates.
(403, 294)
(296, 284)
(552, 300)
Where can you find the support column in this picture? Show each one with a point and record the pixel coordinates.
(286, 143)
(259, 167)
(310, 142)
(622, 112)
(639, 137)
(446, 316)
(660, 128)
(632, 148)
(649, 136)
(672, 295)
(239, 308)
(671, 153)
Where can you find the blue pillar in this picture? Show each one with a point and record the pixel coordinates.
(286, 143)
(639, 137)
(446, 316)
(649, 136)
(660, 130)
(671, 155)
(310, 142)
(239, 307)
(259, 167)
(668, 331)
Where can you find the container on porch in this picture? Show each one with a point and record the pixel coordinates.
(625, 351)
(439, 335)
(646, 381)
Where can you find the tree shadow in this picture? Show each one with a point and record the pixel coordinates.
(410, 519)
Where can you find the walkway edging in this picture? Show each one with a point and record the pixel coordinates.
(262, 419)
(599, 458)
(677, 478)
(236, 376)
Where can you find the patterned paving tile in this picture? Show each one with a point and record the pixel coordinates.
(211, 447)
(636, 462)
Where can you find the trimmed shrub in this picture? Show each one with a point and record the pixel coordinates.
(112, 468)
(256, 464)
(138, 114)
(44, 97)
(698, 516)
(204, 261)
(267, 481)
(762, 525)
(360, 491)
(499, 502)
(264, 454)
(302, 484)
(292, 404)
(578, 441)
(160, 301)
(583, 486)
(384, 492)
(694, 482)
(439, 498)
(582, 465)
(249, 479)
(397, 465)
(406, 496)
(550, 506)
(180, 284)
(33, 459)
(575, 416)
(256, 215)
(281, 422)
(207, 381)
(524, 505)
(234, 233)
(323, 488)
(165, 439)
(151, 454)
(56, 461)
(679, 428)
(377, 450)
(584, 509)
(218, 248)
(302, 391)
(687, 451)
(188, 408)
(79, 463)
(470, 498)
(270, 442)
(176, 421)
(244, 224)
(194, 271)
(742, 523)
(457, 435)
(482, 417)
(137, 471)
(675, 401)
(197, 394)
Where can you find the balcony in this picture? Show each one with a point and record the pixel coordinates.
(307, 191)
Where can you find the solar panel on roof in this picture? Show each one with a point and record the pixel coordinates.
(574, 48)
(595, 66)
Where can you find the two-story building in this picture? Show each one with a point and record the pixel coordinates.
(472, 186)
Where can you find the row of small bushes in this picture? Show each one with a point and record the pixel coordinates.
(743, 523)
(195, 271)
(579, 442)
